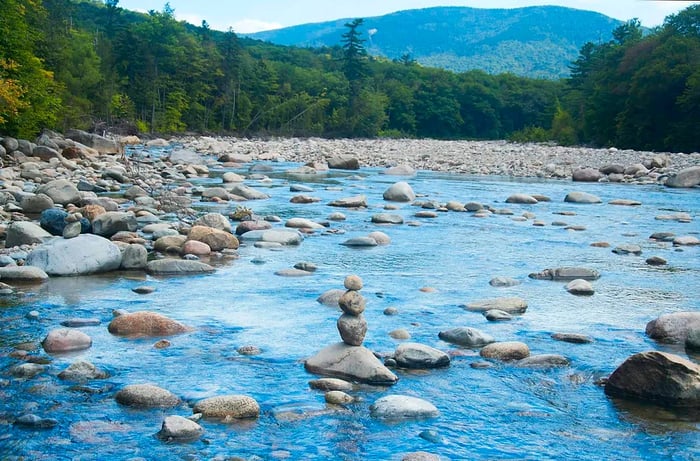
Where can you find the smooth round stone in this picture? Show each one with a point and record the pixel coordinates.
(353, 282)
(249, 350)
(420, 356)
(144, 290)
(544, 361)
(82, 371)
(178, 429)
(521, 198)
(391, 311)
(66, 340)
(331, 298)
(397, 407)
(352, 329)
(512, 305)
(338, 398)
(686, 240)
(306, 266)
(352, 302)
(627, 250)
(228, 407)
(575, 338)
(360, 242)
(77, 322)
(497, 315)
(656, 261)
(624, 202)
(144, 323)
(331, 384)
(387, 218)
(146, 396)
(426, 214)
(507, 350)
(380, 237)
(582, 197)
(337, 216)
(466, 336)
(580, 287)
(400, 334)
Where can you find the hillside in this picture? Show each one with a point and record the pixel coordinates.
(537, 42)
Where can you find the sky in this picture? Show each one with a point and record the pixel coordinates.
(247, 16)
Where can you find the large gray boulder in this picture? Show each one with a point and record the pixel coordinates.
(466, 337)
(84, 254)
(673, 328)
(420, 356)
(94, 141)
(400, 192)
(586, 175)
(688, 177)
(657, 377)
(354, 363)
(24, 233)
(61, 191)
(402, 407)
(110, 223)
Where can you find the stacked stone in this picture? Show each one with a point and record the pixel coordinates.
(352, 324)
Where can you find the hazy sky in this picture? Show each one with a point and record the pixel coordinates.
(255, 15)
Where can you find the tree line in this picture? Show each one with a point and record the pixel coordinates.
(91, 64)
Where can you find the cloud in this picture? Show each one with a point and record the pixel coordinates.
(248, 26)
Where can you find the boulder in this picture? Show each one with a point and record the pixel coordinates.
(657, 377)
(338, 398)
(84, 254)
(420, 356)
(99, 143)
(303, 223)
(566, 274)
(281, 236)
(674, 327)
(330, 384)
(686, 240)
(399, 170)
(399, 192)
(360, 242)
(358, 201)
(580, 287)
(397, 407)
(216, 239)
(82, 372)
(145, 324)
(248, 193)
(146, 396)
(387, 218)
(61, 191)
(343, 162)
(178, 429)
(512, 305)
(24, 233)
(544, 361)
(66, 340)
(228, 407)
(581, 197)
(195, 247)
(170, 243)
(586, 175)
(36, 203)
(329, 298)
(466, 337)
(687, 177)
(134, 256)
(170, 266)
(380, 237)
(247, 226)
(507, 350)
(352, 329)
(111, 222)
(503, 282)
(24, 274)
(215, 220)
(355, 363)
(522, 198)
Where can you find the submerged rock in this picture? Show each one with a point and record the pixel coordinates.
(145, 324)
(228, 407)
(350, 362)
(657, 377)
(178, 429)
(82, 371)
(507, 350)
(402, 407)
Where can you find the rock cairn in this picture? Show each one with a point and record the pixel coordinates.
(352, 325)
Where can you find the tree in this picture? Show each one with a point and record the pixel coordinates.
(354, 53)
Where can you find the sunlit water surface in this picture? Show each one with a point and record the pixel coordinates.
(502, 412)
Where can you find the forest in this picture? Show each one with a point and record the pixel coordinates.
(93, 65)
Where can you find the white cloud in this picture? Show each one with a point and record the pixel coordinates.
(248, 26)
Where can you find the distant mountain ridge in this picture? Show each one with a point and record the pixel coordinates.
(538, 41)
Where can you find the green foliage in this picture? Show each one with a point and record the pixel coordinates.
(563, 129)
(530, 134)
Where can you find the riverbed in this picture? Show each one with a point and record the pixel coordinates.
(429, 270)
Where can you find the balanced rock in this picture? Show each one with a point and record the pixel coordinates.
(400, 407)
(350, 362)
(145, 323)
(352, 329)
(420, 356)
(228, 407)
(66, 340)
(352, 302)
(146, 396)
(657, 377)
(353, 282)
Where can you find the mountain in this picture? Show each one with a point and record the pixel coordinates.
(539, 41)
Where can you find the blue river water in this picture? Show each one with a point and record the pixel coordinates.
(502, 412)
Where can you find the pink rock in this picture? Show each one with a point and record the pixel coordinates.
(66, 340)
(195, 247)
